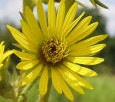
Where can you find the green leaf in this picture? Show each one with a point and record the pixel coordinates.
(97, 2)
(101, 4)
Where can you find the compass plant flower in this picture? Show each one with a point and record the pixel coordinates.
(56, 48)
(3, 55)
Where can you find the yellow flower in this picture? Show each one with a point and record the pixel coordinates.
(55, 49)
(3, 55)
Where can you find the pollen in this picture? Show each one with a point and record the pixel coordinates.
(53, 51)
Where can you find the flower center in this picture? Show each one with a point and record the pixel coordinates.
(53, 51)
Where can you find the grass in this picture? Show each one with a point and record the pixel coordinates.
(104, 91)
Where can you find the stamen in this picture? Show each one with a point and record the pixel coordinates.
(53, 51)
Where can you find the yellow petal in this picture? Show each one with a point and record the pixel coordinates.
(7, 54)
(90, 41)
(43, 84)
(70, 16)
(74, 84)
(80, 70)
(60, 16)
(25, 65)
(24, 56)
(73, 76)
(80, 27)
(56, 80)
(90, 29)
(2, 43)
(32, 75)
(42, 18)
(28, 33)
(67, 30)
(86, 60)
(83, 24)
(87, 51)
(33, 24)
(79, 35)
(21, 39)
(67, 92)
(51, 17)
(82, 82)
(2, 47)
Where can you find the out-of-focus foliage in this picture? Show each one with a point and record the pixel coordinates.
(5, 35)
(103, 87)
(110, 53)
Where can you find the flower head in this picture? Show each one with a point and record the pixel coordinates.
(55, 49)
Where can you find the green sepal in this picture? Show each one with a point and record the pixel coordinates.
(68, 4)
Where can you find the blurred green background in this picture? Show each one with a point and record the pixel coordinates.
(104, 84)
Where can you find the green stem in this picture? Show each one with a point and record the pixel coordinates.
(43, 98)
(46, 96)
(22, 97)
